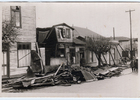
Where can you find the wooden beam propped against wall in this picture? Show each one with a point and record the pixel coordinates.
(119, 53)
(104, 58)
(121, 47)
(112, 57)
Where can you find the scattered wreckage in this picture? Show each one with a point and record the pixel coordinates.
(58, 75)
(74, 75)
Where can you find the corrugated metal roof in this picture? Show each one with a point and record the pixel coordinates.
(83, 32)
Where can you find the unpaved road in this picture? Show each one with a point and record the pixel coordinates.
(125, 85)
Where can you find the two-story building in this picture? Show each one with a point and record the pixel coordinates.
(24, 18)
(60, 45)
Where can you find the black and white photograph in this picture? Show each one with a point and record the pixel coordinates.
(70, 49)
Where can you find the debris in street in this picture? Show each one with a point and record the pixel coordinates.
(64, 75)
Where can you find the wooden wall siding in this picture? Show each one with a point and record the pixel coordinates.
(63, 39)
(6, 13)
(24, 58)
(27, 33)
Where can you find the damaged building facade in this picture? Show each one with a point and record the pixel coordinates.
(24, 19)
(60, 45)
(63, 43)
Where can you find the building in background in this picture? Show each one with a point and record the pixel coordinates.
(82, 34)
(124, 47)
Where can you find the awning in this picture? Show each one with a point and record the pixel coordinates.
(114, 41)
(42, 35)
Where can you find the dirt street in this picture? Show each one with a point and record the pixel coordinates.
(125, 85)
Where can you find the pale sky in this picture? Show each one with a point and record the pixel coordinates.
(98, 17)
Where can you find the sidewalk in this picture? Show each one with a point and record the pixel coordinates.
(16, 73)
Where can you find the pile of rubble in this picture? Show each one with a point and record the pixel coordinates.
(39, 75)
(64, 75)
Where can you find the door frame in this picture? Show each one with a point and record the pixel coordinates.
(22, 49)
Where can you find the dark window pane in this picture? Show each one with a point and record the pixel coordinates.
(23, 46)
(19, 46)
(27, 46)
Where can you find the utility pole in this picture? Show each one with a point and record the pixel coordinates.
(113, 33)
(131, 56)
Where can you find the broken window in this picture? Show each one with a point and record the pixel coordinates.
(61, 33)
(16, 15)
(60, 50)
(64, 33)
(68, 33)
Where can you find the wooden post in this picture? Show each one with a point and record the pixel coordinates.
(8, 62)
(92, 55)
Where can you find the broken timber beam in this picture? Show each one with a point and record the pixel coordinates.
(58, 69)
